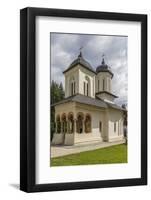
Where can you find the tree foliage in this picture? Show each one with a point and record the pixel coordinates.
(57, 94)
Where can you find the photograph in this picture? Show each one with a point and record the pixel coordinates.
(83, 99)
(88, 99)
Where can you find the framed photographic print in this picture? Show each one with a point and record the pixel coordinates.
(83, 99)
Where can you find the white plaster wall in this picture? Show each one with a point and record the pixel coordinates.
(115, 116)
(82, 74)
(79, 73)
(69, 139)
(74, 72)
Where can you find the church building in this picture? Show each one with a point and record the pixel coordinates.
(88, 111)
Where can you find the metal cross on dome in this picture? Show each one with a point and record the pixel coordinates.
(103, 56)
(80, 55)
(81, 49)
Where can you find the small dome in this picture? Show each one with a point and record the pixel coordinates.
(103, 68)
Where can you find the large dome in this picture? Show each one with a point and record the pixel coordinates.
(80, 60)
(103, 68)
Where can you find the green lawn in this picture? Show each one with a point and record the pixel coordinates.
(108, 155)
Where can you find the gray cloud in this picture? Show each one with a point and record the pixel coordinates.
(65, 48)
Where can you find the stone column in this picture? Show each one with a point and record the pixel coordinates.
(56, 131)
(61, 123)
(74, 126)
(68, 126)
(83, 127)
(74, 129)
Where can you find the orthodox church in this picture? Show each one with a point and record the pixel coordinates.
(88, 112)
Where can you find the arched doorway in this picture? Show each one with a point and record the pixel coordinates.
(70, 123)
(100, 127)
(88, 124)
(80, 123)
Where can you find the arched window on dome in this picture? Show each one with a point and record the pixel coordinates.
(72, 86)
(84, 87)
(87, 86)
(103, 84)
(109, 85)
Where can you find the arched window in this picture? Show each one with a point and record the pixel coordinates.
(88, 124)
(98, 85)
(103, 84)
(87, 86)
(87, 89)
(114, 126)
(71, 89)
(72, 86)
(100, 126)
(109, 85)
(84, 88)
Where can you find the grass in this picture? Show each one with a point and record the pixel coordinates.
(107, 155)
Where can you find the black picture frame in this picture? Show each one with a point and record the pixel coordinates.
(28, 98)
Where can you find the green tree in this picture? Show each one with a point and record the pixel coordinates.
(57, 94)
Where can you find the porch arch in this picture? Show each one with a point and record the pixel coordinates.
(79, 124)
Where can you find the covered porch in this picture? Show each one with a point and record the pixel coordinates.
(74, 127)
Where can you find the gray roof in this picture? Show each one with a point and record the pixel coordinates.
(101, 92)
(80, 60)
(111, 105)
(84, 99)
(88, 101)
(103, 68)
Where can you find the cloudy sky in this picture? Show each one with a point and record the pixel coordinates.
(65, 48)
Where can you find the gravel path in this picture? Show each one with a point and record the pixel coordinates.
(57, 151)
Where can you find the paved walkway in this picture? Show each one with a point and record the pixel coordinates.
(62, 150)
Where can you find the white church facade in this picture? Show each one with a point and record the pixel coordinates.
(88, 112)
